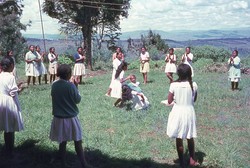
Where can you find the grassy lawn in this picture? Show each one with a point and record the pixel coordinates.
(117, 138)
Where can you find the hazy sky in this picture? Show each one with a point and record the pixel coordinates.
(164, 15)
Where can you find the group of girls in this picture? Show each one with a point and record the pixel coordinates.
(123, 91)
(34, 66)
(65, 124)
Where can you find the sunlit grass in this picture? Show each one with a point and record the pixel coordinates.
(117, 138)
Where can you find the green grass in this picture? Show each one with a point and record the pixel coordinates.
(117, 138)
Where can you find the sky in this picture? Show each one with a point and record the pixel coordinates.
(166, 15)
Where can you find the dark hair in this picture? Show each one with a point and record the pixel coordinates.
(171, 49)
(120, 68)
(64, 71)
(8, 52)
(6, 63)
(50, 49)
(185, 73)
(126, 93)
(236, 52)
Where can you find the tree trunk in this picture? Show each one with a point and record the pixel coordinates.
(87, 35)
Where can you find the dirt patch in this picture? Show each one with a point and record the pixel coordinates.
(96, 73)
(218, 67)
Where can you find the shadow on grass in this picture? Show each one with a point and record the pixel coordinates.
(31, 155)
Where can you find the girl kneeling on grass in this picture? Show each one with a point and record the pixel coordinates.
(65, 125)
(182, 121)
(10, 110)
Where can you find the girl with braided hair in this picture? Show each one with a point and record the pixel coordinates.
(182, 120)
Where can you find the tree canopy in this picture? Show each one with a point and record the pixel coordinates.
(10, 27)
(88, 17)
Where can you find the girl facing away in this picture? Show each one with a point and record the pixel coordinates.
(182, 120)
(10, 110)
(65, 124)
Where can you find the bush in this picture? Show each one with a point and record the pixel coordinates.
(66, 59)
(210, 52)
(202, 64)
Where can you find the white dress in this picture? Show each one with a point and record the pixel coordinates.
(191, 56)
(181, 119)
(171, 67)
(41, 67)
(138, 102)
(234, 72)
(31, 69)
(116, 63)
(79, 67)
(10, 110)
(116, 87)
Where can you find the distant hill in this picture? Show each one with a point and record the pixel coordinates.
(185, 35)
(178, 35)
(229, 39)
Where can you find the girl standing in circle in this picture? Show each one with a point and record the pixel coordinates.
(31, 64)
(170, 64)
(234, 70)
(41, 67)
(79, 67)
(65, 124)
(182, 120)
(53, 57)
(144, 66)
(10, 110)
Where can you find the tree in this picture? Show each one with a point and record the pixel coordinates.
(84, 16)
(10, 27)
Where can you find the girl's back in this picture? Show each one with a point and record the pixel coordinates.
(183, 95)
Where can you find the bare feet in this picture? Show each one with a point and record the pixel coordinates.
(193, 163)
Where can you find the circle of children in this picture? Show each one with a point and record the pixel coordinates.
(65, 96)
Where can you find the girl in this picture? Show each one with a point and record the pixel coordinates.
(79, 67)
(65, 125)
(144, 66)
(139, 100)
(10, 110)
(234, 70)
(41, 67)
(116, 62)
(182, 121)
(10, 54)
(170, 64)
(31, 65)
(53, 57)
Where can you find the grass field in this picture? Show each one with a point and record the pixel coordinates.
(117, 138)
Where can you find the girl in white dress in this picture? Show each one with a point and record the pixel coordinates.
(31, 64)
(53, 64)
(79, 67)
(234, 72)
(182, 121)
(170, 64)
(144, 66)
(116, 62)
(10, 110)
(41, 67)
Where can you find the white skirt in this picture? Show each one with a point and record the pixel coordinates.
(182, 122)
(42, 69)
(10, 114)
(116, 87)
(79, 69)
(65, 129)
(31, 69)
(170, 68)
(138, 103)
